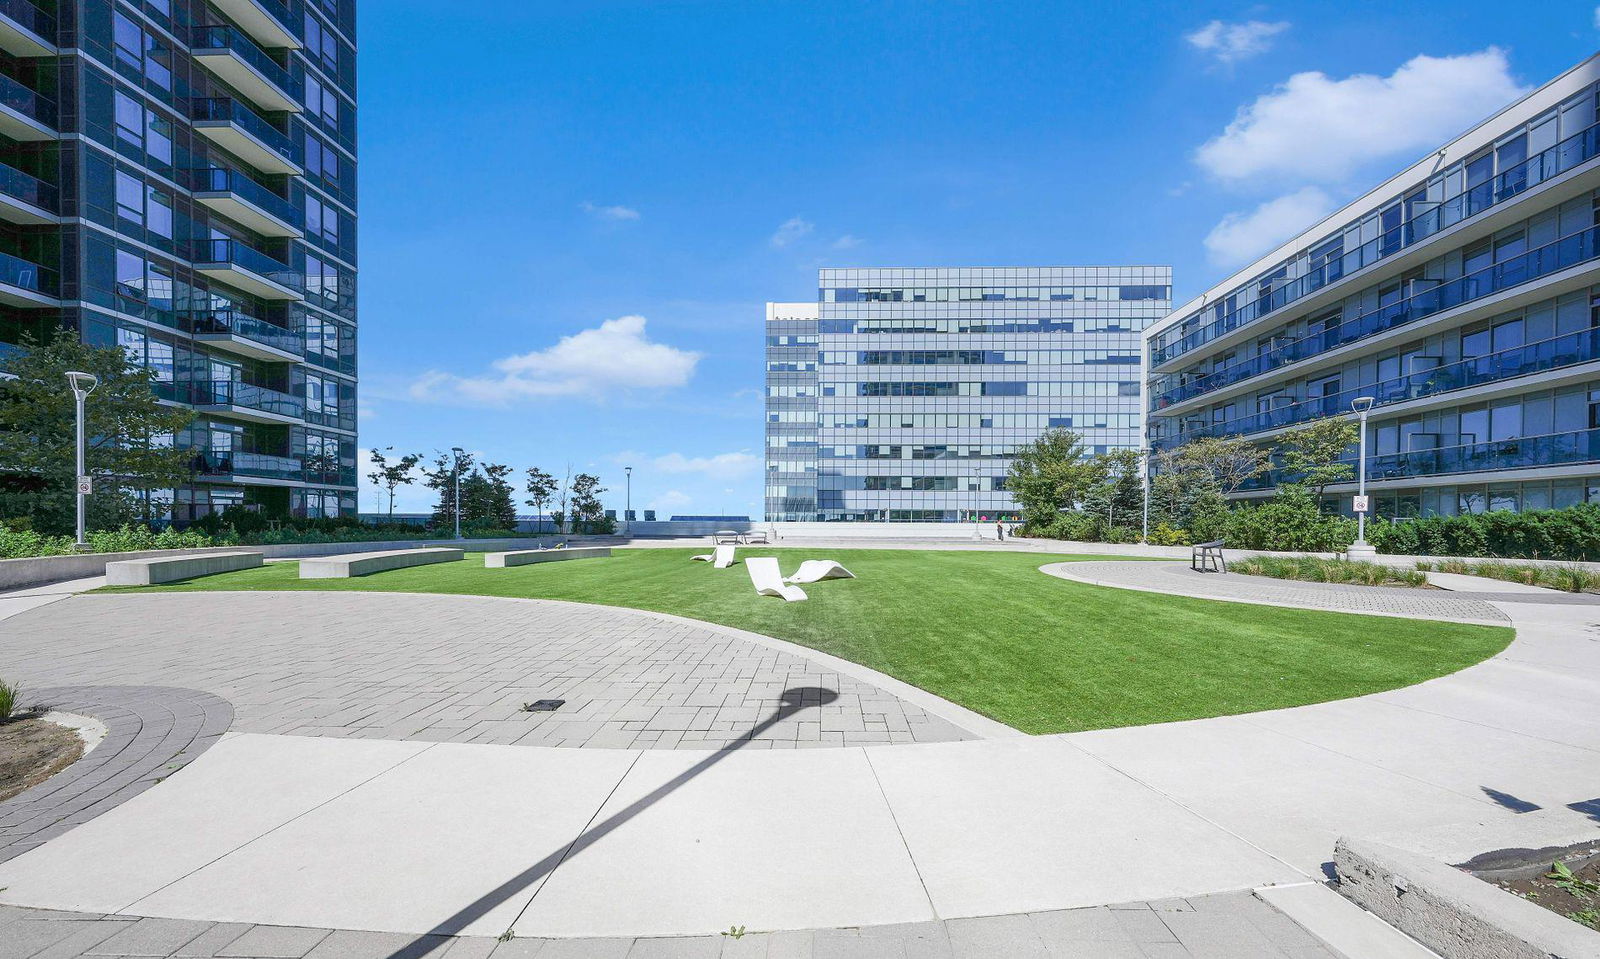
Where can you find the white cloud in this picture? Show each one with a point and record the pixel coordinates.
(1597, 18)
(1314, 127)
(847, 242)
(610, 212)
(1241, 237)
(1232, 42)
(615, 356)
(669, 501)
(722, 464)
(791, 230)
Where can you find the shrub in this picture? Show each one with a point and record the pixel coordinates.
(17, 544)
(1314, 570)
(8, 699)
(1165, 534)
(1572, 533)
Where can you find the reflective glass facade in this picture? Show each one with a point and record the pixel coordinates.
(1463, 295)
(178, 178)
(903, 394)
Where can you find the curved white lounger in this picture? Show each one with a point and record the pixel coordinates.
(814, 570)
(721, 559)
(768, 580)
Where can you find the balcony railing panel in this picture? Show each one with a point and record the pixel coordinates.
(1553, 449)
(16, 271)
(233, 111)
(1566, 252)
(29, 103)
(264, 465)
(29, 189)
(30, 17)
(221, 180)
(251, 328)
(1558, 159)
(247, 258)
(224, 37)
(233, 393)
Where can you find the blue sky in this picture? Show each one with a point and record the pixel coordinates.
(573, 212)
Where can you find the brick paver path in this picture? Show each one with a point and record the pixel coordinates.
(454, 669)
(151, 732)
(1234, 925)
(1179, 580)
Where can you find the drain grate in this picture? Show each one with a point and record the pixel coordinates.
(543, 706)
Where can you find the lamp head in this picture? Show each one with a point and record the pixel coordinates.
(82, 383)
(1363, 403)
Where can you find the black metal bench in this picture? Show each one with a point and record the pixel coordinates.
(1208, 558)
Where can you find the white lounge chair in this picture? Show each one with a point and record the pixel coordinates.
(815, 570)
(721, 559)
(768, 580)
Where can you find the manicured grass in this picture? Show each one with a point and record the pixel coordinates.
(989, 631)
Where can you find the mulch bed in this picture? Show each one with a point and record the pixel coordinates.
(1544, 890)
(32, 750)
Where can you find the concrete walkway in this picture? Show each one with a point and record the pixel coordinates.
(477, 839)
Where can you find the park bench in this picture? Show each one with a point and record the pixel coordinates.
(757, 536)
(360, 564)
(725, 536)
(527, 557)
(167, 569)
(1208, 558)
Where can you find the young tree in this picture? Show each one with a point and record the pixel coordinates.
(129, 437)
(1224, 463)
(562, 493)
(391, 476)
(586, 507)
(500, 508)
(1051, 474)
(541, 487)
(1312, 452)
(1118, 491)
(442, 480)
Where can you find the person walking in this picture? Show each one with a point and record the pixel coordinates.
(1000, 532)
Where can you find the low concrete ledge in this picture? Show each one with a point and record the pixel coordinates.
(527, 557)
(167, 569)
(360, 564)
(1455, 914)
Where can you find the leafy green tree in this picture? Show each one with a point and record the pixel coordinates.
(129, 437)
(1311, 453)
(541, 488)
(441, 478)
(1117, 496)
(1192, 480)
(500, 507)
(586, 507)
(390, 476)
(1051, 474)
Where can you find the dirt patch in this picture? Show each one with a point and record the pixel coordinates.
(31, 751)
(1570, 889)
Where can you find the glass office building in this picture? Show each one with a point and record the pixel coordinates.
(178, 178)
(1463, 295)
(902, 395)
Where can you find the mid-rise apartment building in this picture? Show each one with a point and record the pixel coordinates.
(1462, 295)
(903, 394)
(178, 177)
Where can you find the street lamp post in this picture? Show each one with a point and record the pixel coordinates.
(1361, 549)
(458, 452)
(82, 385)
(627, 501)
(1144, 492)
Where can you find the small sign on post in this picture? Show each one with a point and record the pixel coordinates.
(1361, 504)
(85, 485)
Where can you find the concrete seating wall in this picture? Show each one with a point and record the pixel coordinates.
(167, 569)
(360, 564)
(527, 557)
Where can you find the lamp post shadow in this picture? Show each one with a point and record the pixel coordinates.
(791, 701)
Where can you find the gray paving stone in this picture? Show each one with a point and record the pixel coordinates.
(151, 937)
(275, 942)
(208, 943)
(343, 944)
(1011, 936)
(687, 947)
(586, 949)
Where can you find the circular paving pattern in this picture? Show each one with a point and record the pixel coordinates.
(458, 669)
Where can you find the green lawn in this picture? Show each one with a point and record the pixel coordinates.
(989, 631)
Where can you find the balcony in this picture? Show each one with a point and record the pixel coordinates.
(235, 467)
(244, 201)
(232, 125)
(1559, 352)
(25, 30)
(1567, 252)
(24, 283)
(1528, 452)
(248, 269)
(243, 401)
(1546, 165)
(266, 21)
(234, 57)
(246, 335)
(27, 199)
(24, 114)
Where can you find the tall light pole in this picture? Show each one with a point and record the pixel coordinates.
(1361, 549)
(82, 385)
(627, 501)
(458, 452)
(1144, 491)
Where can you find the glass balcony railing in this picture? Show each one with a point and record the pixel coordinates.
(247, 258)
(246, 395)
(1558, 159)
(30, 17)
(1568, 251)
(27, 102)
(224, 37)
(1553, 449)
(229, 463)
(220, 180)
(1551, 354)
(251, 328)
(238, 113)
(15, 271)
(29, 189)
